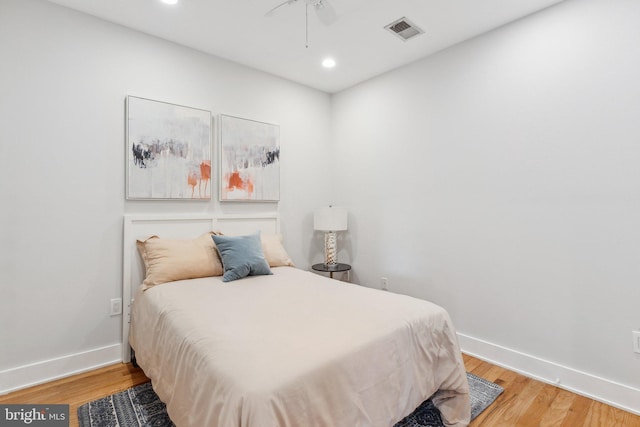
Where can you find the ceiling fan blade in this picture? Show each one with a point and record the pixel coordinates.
(272, 11)
(325, 12)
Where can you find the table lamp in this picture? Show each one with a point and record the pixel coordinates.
(330, 219)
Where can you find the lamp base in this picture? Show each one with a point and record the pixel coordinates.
(330, 249)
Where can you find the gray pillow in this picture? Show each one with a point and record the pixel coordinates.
(242, 256)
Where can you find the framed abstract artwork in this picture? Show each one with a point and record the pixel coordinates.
(169, 151)
(249, 160)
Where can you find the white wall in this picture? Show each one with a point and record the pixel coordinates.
(500, 179)
(64, 77)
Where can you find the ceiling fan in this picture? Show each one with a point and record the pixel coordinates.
(324, 11)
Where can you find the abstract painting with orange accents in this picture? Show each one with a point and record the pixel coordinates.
(249, 160)
(168, 151)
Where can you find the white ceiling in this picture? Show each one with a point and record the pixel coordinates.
(239, 31)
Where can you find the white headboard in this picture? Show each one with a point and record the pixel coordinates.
(185, 226)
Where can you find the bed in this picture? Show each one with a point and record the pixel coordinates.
(290, 348)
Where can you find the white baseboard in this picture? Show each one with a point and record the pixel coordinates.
(612, 393)
(48, 370)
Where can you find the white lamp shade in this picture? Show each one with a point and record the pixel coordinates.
(330, 218)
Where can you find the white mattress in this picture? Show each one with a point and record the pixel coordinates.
(295, 349)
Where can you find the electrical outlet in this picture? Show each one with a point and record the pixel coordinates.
(636, 341)
(384, 283)
(116, 307)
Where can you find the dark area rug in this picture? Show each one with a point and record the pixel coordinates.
(482, 393)
(140, 406)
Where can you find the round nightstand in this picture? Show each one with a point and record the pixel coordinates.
(336, 268)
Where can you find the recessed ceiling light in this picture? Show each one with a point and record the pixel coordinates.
(329, 63)
(169, 1)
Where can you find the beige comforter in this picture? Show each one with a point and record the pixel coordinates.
(295, 350)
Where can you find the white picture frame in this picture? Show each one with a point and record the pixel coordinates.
(169, 151)
(249, 160)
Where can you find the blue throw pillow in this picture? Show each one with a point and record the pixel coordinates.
(242, 256)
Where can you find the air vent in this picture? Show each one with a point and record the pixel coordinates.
(404, 29)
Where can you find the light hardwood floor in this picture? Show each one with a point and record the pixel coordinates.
(525, 402)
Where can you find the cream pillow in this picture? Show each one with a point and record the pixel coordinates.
(167, 260)
(274, 252)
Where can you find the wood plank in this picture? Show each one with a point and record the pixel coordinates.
(80, 389)
(539, 406)
(558, 409)
(577, 415)
(605, 415)
(470, 362)
(551, 406)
